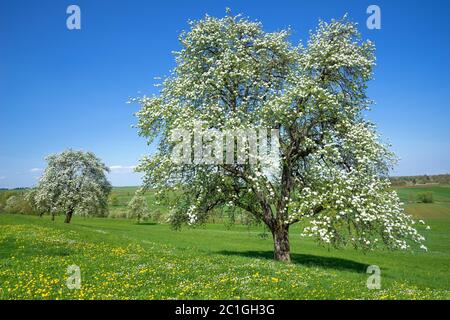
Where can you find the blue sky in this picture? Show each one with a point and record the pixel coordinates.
(62, 88)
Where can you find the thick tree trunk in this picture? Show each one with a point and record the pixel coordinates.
(68, 217)
(282, 251)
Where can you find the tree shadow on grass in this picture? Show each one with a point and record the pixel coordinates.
(305, 260)
(145, 224)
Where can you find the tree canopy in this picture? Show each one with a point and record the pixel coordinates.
(332, 167)
(74, 182)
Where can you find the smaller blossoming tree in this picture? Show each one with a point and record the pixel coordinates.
(74, 182)
(138, 208)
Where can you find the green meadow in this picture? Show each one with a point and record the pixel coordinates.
(120, 259)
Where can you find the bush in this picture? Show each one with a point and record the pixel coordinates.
(425, 197)
(11, 205)
(158, 216)
(114, 200)
(4, 195)
(117, 214)
(17, 201)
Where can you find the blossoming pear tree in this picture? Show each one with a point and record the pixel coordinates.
(137, 207)
(74, 182)
(332, 170)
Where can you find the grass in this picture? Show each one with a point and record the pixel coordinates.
(440, 208)
(123, 260)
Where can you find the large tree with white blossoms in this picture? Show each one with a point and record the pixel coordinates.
(332, 167)
(74, 182)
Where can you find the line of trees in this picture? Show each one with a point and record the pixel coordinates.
(419, 180)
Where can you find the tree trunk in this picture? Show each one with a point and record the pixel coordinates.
(282, 251)
(68, 217)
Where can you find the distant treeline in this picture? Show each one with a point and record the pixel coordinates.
(420, 180)
(396, 181)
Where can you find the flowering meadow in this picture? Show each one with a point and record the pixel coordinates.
(120, 259)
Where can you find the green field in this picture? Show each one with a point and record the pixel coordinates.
(439, 209)
(120, 259)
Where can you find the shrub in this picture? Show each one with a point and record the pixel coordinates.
(12, 205)
(425, 197)
(114, 200)
(158, 216)
(117, 214)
